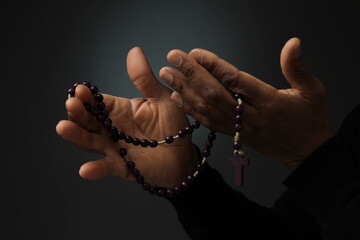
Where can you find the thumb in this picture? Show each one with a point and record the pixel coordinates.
(141, 75)
(293, 67)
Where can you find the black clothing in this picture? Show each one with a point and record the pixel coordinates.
(322, 200)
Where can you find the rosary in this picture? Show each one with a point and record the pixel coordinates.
(99, 112)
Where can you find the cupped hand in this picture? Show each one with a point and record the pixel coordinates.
(153, 117)
(286, 124)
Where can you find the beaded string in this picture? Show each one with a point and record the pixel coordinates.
(100, 113)
(239, 160)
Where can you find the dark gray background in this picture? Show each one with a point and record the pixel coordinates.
(52, 44)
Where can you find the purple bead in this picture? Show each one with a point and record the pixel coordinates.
(153, 190)
(169, 139)
(144, 143)
(237, 145)
(95, 112)
(161, 192)
(87, 107)
(106, 114)
(212, 136)
(128, 139)
(189, 130)
(195, 125)
(136, 141)
(206, 152)
(140, 179)
(86, 83)
(238, 119)
(71, 91)
(94, 90)
(100, 106)
(169, 193)
(182, 133)
(209, 144)
(238, 127)
(123, 152)
(113, 131)
(130, 164)
(76, 84)
(121, 135)
(100, 118)
(135, 172)
(99, 97)
(107, 123)
(239, 109)
(153, 143)
(184, 185)
(146, 186)
(189, 179)
(177, 190)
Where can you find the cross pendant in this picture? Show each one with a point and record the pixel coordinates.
(239, 162)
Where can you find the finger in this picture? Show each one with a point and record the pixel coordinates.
(252, 89)
(194, 77)
(77, 111)
(206, 96)
(78, 114)
(103, 168)
(84, 94)
(142, 76)
(204, 88)
(94, 170)
(82, 138)
(294, 69)
(195, 84)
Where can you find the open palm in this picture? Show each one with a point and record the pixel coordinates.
(155, 117)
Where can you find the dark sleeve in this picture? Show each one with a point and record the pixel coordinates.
(328, 182)
(322, 199)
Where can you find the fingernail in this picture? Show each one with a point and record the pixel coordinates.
(168, 78)
(178, 100)
(176, 60)
(196, 54)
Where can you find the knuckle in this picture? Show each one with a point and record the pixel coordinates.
(141, 79)
(179, 87)
(189, 70)
(231, 80)
(211, 94)
(211, 67)
(187, 109)
(202, 109)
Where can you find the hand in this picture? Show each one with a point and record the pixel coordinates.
(286, 124)
(152, 118)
